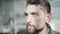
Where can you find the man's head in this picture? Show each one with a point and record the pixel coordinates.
(38, 13)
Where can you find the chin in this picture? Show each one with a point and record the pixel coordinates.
(31, 30)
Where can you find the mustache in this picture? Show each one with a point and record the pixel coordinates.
(30, 25)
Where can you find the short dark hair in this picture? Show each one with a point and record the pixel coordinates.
(43, 3)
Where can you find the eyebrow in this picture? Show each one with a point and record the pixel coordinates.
(33, 12)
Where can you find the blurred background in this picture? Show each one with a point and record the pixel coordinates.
(12, 17)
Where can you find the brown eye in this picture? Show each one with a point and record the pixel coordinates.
(25, 14)
(34, 14)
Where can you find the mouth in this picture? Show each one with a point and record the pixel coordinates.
(30, 27)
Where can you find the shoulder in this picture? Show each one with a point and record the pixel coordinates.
(56, 32)
(53, 32)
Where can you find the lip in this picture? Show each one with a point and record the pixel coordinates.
(30, 26)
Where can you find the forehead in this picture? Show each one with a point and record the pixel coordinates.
(34, 8)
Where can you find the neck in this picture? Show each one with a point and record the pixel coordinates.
(44, 31)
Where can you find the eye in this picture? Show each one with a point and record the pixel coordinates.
(25, 14)
(34, 14)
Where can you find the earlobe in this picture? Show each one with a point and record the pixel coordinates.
(49, 16)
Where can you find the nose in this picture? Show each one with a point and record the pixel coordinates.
(29, 20)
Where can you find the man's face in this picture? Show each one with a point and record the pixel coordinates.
(35, 17)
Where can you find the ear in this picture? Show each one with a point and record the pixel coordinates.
(48, 17)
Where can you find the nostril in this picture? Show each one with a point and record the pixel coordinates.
(28, 23)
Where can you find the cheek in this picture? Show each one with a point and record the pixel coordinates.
(36, 19)
(39, 21)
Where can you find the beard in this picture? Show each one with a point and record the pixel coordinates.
(35, 30)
